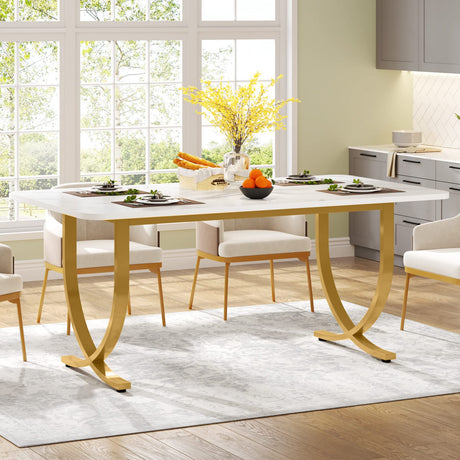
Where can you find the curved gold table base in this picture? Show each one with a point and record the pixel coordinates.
(352, 331)
(95, 356)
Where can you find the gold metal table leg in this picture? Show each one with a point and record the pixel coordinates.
(94, 356)
(352, 331)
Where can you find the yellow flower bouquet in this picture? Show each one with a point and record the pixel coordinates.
(239, 114)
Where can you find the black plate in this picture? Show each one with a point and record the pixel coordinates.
(300, 176)
(152, 198)
(359, 186)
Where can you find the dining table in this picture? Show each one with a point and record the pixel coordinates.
(287, 198)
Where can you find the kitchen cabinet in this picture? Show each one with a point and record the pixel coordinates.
(410, 169)
(416, 171)
(448, 178)
(364, 227)
(398, 34)
(450, 207)
(418, 35)
(441, 38)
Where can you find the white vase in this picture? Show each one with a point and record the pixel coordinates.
(236, 166)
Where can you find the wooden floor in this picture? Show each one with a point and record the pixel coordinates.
(426, 428)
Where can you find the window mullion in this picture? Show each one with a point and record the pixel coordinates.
(69, 145)
(191, 71)
(114, 107)
(147, 115)
(16, 122)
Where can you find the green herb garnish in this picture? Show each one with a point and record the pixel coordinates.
(156, 193)
(130, 198)
(334, 187)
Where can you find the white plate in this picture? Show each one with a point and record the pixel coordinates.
(147, 201)
(365, 190)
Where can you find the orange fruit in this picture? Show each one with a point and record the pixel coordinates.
(249, 183)
(263, 182)
(268, 184)
(255, 173)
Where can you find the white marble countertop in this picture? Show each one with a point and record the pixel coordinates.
(446, 154)
(229, 203)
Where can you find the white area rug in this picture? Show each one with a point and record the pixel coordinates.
(199, 369)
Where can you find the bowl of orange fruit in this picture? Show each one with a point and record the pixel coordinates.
(256, 186)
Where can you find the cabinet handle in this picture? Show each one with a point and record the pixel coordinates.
(412, 182)
(455, 189)
(413, 161)
(368, 155)
(411, 223)
(454, 167)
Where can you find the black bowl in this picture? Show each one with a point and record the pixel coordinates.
(256, 193)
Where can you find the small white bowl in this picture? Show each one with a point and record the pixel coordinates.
(407, 138)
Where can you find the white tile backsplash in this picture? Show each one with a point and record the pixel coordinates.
(436, 101)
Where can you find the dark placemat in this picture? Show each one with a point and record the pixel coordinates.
(344, 193)
(135, 204)
(314, 182)
(91, 193)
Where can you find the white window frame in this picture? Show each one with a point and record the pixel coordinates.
(69, 31)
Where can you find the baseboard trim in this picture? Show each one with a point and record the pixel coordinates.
(175, 259)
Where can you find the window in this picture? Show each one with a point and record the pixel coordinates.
(90, 90)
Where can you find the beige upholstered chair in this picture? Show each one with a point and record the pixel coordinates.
(436, 254)
(11, 287)
(244, 240)
(95, 249)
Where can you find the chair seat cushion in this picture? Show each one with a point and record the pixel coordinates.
(99, 253)
(239, 243)
(10, 283)
(444, 262)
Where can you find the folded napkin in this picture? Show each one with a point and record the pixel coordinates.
(391, 164)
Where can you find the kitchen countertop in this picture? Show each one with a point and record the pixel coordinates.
(446, 154)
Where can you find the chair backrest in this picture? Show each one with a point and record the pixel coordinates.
(6, 259)
(437, 235)
(87, 230)
(289, 224)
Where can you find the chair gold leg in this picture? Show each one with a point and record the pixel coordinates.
(310, 288)
(68, 322)
(42, 297)
(272, 279)
(406, 290)
(160, 292)
(129, 304)
(227, 267)
(21, 329)
(195, 276)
